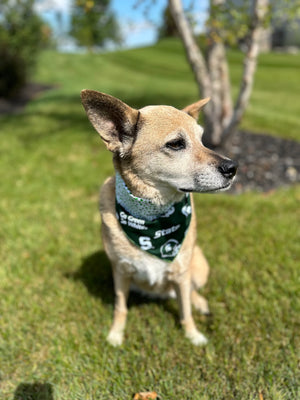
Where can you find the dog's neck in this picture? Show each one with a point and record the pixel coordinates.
(161, 197)
(138, 206)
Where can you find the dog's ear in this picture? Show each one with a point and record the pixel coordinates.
(114, 120)
(194, 109)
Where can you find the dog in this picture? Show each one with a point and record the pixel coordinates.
(147, 209)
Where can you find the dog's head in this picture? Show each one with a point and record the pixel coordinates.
(160, 144)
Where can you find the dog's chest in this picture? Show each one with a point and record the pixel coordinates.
(148, 270)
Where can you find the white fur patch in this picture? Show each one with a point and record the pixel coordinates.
(197, 338)
(115, 338)
(148, 269)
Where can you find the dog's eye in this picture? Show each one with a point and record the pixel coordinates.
(176, 144)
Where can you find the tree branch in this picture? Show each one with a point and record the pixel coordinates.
(194, 55)
(259, 12)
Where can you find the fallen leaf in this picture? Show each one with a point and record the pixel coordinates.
(260, 395)
(145, 396)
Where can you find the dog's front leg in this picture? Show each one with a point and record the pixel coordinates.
(183, 290)
(121, 284)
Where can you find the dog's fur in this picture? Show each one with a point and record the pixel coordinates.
(158, 152)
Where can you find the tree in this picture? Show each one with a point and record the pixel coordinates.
(168, 27)
(93, 23)
(22, 36)
(211, 70)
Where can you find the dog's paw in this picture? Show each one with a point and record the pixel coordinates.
(197, 338)
(115, 338)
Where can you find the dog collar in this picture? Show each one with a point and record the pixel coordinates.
(158, 231)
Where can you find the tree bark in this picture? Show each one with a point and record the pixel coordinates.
(193, 54)
(219, 77)
(259, 10)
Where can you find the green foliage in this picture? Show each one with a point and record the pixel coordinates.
(229, 21)
(22, 35)
(12, 71)
(285, 10)
(285, 20)
(93, 23)
(168, 27)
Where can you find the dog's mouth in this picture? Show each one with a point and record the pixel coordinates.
(206, 190)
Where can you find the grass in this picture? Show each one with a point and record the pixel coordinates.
(56, 299)
(160, 75)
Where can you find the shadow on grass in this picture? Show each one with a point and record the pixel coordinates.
(34, 391)
(96, 274)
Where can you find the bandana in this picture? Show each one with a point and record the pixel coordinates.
(159, 231)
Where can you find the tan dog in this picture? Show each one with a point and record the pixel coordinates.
(159, 157)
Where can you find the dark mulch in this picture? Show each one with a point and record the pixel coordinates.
(265, 162)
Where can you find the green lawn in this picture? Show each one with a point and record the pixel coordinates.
(56, 298)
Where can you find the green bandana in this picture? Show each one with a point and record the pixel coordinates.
(162, 236)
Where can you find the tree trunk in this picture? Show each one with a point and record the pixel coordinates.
(212, 75)
(194, 57)
(219, 77)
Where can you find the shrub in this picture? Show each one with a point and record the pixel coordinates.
(22, 35)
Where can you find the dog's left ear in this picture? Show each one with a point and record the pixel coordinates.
(194, 109)
(114, 120)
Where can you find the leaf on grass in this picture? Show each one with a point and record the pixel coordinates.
(261, 397)
(145, 396)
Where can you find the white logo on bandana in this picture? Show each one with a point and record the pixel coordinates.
(145, 243)
(186, 210)
(170, 248)
(169, 212)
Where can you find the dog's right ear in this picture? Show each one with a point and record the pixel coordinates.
(114, 120)
(194, 109)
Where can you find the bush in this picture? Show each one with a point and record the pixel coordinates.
(22, 35)
(12, 72)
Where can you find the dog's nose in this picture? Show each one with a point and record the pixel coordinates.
(228, 168)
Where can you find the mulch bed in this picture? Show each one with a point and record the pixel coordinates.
(265, 162)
